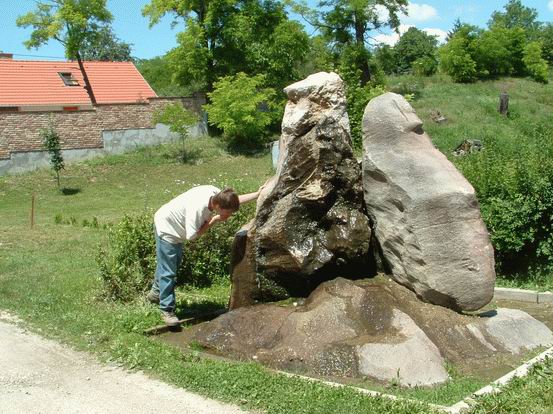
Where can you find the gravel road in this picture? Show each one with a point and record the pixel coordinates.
(42, 376)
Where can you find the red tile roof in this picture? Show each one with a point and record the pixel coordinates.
(26, 82)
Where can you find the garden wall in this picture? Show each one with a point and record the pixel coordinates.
(106, 129)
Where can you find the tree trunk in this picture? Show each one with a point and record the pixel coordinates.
(87, 85)
(360, 41)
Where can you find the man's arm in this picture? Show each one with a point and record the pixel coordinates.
(207, 224)
(245, 198)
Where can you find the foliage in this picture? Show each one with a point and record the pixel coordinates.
(425, 66)
(413, 44)
(535, 64)
(159, 74)
(102, 44)
(347, 24)
(51, 143)
(319, 57)
(516, 15)
(514, 183)
(546, 37)
(455, 56)
(385, 58)
(127, 264)
(224, 38)
(71, 22)
(179, 119)
(241, 107)
(358, 94)
(206, 260)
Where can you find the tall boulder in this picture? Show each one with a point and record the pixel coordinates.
(425, 214)
(309, 224)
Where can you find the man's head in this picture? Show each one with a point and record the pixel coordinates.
(225, 203)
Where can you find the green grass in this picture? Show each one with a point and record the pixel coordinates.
(48, 275)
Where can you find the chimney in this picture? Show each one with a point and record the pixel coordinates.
(6, 56)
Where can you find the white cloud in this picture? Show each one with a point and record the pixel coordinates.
(550, 5)
(392, 38)
(420, 13)
(439, 33)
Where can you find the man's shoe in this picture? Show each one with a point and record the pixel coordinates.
(170, 318)
(153, 297)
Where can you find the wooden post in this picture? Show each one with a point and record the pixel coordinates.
(32, 210)
(504, 104)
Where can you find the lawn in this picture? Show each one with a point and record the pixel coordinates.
(49, 276)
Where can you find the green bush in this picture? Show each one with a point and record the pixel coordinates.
(242, 108)
(425, 66)
(535, 64)
(127, 263)
(456, 59)
(514, 182)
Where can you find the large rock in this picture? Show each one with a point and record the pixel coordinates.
(309, 225)
(373, 328)
(425, 215)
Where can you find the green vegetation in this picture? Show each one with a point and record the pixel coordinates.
(242, 109)
(511, 175)
(51, 143)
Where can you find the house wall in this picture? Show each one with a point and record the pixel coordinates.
(106, 129)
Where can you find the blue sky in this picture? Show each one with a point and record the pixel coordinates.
(434, 16)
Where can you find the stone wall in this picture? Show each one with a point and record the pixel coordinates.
(84, 130)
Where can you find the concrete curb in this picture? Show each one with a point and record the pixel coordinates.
(496, 386)
(523, 295)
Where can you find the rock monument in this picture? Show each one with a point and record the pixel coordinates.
(425, 214)
(309, 225)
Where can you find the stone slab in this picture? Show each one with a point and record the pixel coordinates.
(545, 297)
(521, 295)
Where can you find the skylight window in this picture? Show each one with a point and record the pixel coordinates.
(68, 79)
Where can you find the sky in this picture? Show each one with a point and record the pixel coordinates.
(434, 16)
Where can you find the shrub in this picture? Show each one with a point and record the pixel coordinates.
(179, 120)
(425, 66)
(51, 142)
(456, 59)
(242, 108)
(514, 183)
(535, 64)
(127, 263)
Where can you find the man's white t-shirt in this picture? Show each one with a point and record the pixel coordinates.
(181, 218)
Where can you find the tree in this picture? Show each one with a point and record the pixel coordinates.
(412, 45)
(102, 44)
(51, 142)
(535, 64)
(385, 57)
(160, 76)
(179, 120)
(516, 15)
(546, 37)
(70, 22)
(456, 55)
(457, 24)
(226, 37)
(348, 23)
(242, 108)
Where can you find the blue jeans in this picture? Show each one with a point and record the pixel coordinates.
(168, 259)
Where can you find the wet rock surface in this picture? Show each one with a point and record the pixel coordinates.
(309, 225)
(371, 328)
(425, 215)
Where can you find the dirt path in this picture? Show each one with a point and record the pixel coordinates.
(41, 376)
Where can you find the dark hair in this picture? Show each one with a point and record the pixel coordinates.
(227, 200)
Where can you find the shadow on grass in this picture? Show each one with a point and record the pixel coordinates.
(70, 191)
